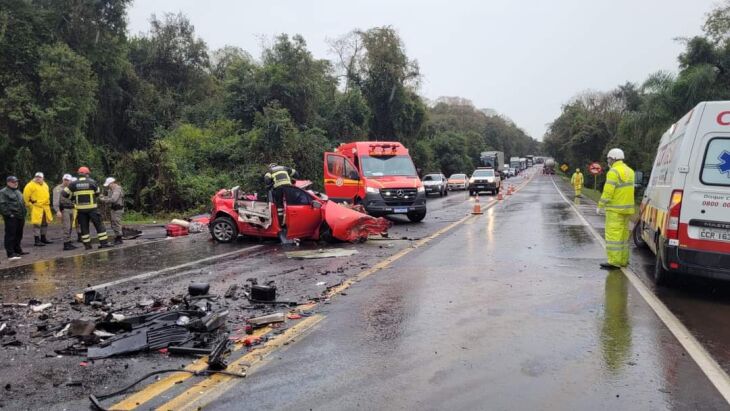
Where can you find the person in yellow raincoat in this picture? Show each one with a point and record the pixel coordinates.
(38, 201)
(577, 181)
(618, 201)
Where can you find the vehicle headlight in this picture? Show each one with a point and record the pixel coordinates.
(372, 190)
(471, 180)
(421, 189)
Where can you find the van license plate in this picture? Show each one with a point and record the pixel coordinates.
(714, 235)
(400, 210)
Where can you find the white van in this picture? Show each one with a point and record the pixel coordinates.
(685, 211)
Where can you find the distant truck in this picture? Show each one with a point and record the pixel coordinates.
(530, 160)
(380, 176)
(493, 159)
(523, 163)
(549, 167)
(514, 162)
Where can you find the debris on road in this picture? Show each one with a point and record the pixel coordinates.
(40, 307)
(196, 289)
(321, 253)
(266, 319)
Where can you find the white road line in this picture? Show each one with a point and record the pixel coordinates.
(174, 268)
(699, 354)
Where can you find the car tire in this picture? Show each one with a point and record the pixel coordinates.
(446, 192)
(325, 234)
(416, 216)
(223, 230)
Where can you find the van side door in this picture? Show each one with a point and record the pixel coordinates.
(341, 178)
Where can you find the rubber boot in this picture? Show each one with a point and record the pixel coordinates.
(78, 238)
(38, 242)
(284, 240)
(44, 240)
(105, 244)
(118, 240)
(87, 246)
(68, 246)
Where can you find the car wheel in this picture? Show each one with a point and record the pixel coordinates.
(223, 230)
(636, 236)
(325, 234)
(416, 216)
(446, 192)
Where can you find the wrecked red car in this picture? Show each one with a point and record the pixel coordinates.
(308, 216)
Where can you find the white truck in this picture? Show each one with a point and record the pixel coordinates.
(685, 211)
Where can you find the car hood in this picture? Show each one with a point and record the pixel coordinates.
(351, 225)
(487, 179)
(432, 183)
(394, 182)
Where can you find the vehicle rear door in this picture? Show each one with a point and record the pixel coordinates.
(705, 214)
(302, 217)
(341, 178)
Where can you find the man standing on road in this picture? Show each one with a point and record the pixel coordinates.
(115, 199)
(38, 199)
(618, 201)
(84, 192)
(279, 180)
(64, 209)
(577, 181)
(12, 207)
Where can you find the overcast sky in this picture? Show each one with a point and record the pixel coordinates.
(523, 58)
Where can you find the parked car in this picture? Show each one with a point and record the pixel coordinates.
(684, 212)
(484, 179)
(308, 215)
(512, 172)
(458, 182)
(435, 183)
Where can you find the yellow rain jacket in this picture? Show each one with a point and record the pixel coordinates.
(577, 180)
(618, 192)
(38, 201)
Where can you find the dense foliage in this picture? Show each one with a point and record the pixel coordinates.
(175, 121)
(634, 117)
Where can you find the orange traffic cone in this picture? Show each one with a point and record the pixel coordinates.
(477, 207)
(499, 196)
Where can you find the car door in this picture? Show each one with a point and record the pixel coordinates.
(303, 216)
(341, 179)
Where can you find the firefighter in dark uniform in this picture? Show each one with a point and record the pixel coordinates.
(279, 181)
(84, 193)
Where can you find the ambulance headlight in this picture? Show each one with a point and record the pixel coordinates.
(372, 190)
(421, 189)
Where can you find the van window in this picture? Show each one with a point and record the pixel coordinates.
(336, 165)
(716, 165)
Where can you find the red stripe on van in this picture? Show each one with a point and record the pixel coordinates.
(703, 245)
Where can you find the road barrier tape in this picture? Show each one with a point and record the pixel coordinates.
(714, 372)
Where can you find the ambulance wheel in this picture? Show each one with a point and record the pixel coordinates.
(661, 275)
(223, 230)
(636, 235)
(416, 216)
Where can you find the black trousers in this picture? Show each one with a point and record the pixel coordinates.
(91, 216)
(13, 235)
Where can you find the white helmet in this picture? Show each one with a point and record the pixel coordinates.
(616, 154)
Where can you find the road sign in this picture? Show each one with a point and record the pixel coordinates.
(595, 169)
(564, 167)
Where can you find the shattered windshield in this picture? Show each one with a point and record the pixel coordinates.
(387, 166)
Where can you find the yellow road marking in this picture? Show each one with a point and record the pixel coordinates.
(153, 390)
(212, 387)
(716, 374)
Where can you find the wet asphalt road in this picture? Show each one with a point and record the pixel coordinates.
(507, 311)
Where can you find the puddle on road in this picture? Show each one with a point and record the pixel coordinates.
(616, 326)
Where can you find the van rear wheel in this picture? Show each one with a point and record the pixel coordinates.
(416, 216)
(636, 236)
(661, 275)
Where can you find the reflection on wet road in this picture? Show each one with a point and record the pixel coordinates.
(507, 311)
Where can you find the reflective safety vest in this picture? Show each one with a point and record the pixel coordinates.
(83, 193)
(577, 179)
(279, 176)
(618, 192)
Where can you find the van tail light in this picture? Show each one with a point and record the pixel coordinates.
(671, 228)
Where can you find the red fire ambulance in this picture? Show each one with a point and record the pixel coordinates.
(378, 175)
